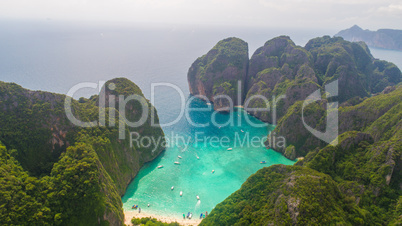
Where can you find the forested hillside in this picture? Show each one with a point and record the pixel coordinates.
(57, 173)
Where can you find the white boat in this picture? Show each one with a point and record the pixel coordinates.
(177, 163)
(208, 103)
(229, 149)
(198, 197)
(161, 166)
(181, 193)
(179, 157)
(172, 188)
(198, 157)
(213, 171)
(242, 131)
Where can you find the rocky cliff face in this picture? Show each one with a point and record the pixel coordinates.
(218, 72)
(35, 124)
(130, 159)
(377, 115)
(282, 75)
(361, 175)
(382, 38)
(280, 68)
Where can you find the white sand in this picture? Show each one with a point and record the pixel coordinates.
(128, 215)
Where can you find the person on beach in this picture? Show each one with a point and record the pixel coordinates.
(206, 213)
(184, 216)
(201, 215)
(139, 210)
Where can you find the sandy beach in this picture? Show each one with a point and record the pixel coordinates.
(128, 215)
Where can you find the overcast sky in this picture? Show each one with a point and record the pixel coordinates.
(336, 14)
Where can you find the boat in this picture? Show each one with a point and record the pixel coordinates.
(198, 157)
(179, 157)
(229, 149)
(134, 207)
(181, 193)
(213, 171)
(242, 131)
(208, 103)
(161, 166)
(263, 162)
(198, 197)
(172, 188)
(177, 163)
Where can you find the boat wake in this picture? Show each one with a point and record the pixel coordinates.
(197, 205)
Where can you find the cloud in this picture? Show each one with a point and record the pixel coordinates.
(395, 9)
(268, 13)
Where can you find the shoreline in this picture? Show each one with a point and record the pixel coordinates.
(128, 215)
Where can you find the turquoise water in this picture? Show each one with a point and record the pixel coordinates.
(71, 53)
(194, 175)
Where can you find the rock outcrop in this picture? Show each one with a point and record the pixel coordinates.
(35, 124)
(279, 68)
(222, 71)
(354, 180)
(280, 73)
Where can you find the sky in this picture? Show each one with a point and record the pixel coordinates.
(336, 14)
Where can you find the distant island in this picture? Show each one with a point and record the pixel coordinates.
(382, 38)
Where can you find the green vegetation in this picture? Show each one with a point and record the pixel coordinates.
(218, 71)
(285, 195)
(71, 195)
(294, 71)
(56, 173)
(356, 182)
(378, 116)
(151, 222)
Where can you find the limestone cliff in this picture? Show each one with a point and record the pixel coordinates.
(279, 68)
(35, 124)
(218, 72)
(280, 73)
